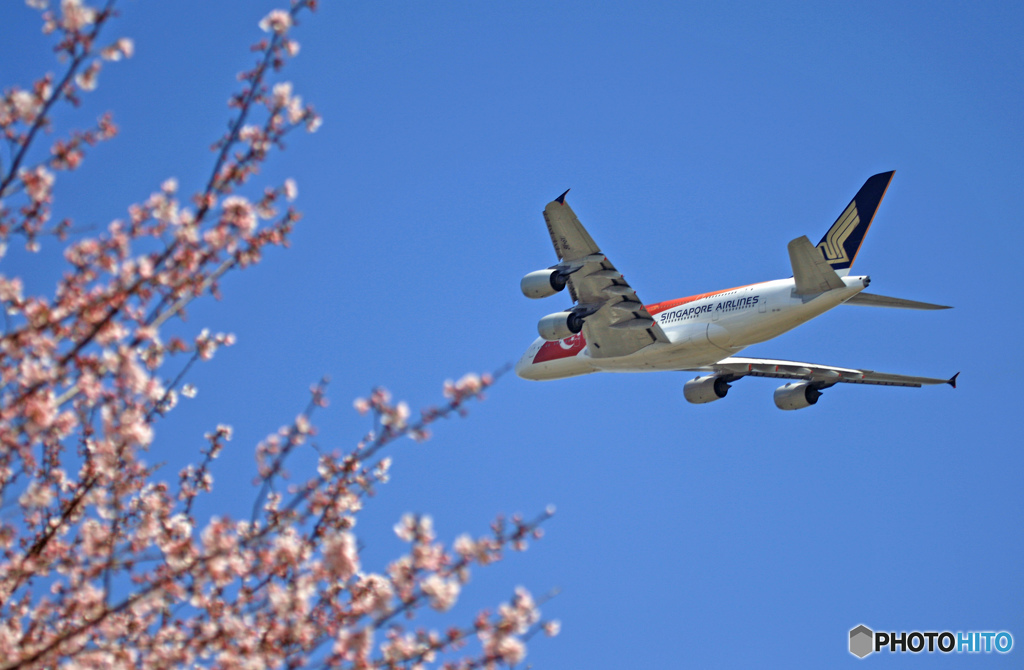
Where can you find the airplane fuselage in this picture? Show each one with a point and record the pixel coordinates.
(701, 330)
(609, 329)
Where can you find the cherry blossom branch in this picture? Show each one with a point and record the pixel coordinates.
(392, 421)
(105, 565)
(77, 45)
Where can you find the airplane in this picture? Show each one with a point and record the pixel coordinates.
(609, 329)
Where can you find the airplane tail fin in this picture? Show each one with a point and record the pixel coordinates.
(843, 239)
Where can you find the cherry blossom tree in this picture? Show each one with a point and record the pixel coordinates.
(103, 561)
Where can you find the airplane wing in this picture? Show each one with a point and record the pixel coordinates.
(616, 321)
(812, 372)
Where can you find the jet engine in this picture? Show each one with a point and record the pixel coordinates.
(559, 325)
(542, 283)
(706, 389)
(797, 395)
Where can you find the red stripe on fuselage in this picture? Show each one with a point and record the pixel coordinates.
(659, 307)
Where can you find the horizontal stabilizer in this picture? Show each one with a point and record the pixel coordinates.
(885, 301)
(811, 272)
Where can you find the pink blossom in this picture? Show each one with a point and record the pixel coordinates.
(206, 345)
(135, 429)
(415, 527)
(291, 191)
(340, 555)
(429, 557)
(75, 15)
(38, 494)
(67, 156)
(403, 577)
(95, 537)
(65, 423)
(256, 137)
(396, 417)
(88, 78)
(406, 528)
(354, 645)
(510, 650)
(442, 592)
(464, 545)
(277, 21)
(296, 112)
(380, 471)
(38, 182)
(122, 48)
(401, 648)
(282, 94)
(40, 411)
(26, 105)
(238, 212)
(288, 547)
(372, 594)
(522, 613)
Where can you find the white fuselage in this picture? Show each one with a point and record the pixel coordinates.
(701, 330)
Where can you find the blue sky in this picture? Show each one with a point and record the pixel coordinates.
(698, 139)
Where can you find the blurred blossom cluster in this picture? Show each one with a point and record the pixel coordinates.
(104, 564)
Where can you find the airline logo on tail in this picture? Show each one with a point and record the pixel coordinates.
(843, 239)
(833, 245)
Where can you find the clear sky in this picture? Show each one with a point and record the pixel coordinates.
(698, 139)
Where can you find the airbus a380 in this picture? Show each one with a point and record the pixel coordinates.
(608, 329)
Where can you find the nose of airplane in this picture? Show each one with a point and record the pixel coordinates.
(523, 366)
